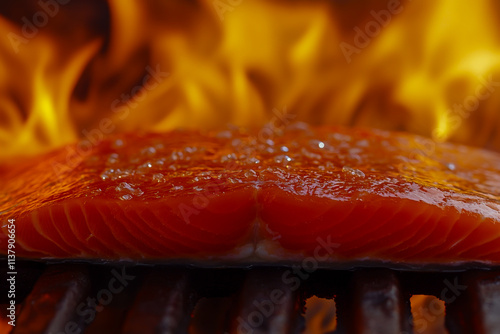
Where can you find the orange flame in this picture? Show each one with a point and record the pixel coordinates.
(320, 316)
(428, 314)
(430, 68)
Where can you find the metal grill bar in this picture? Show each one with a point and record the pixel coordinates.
(50, 307)
(477, 310)
(266, 304)
(487, 296)
(163, 304)
(259, 300)
(111, 298)
(373, 304)
(378, 303)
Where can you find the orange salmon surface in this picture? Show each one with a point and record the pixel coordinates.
(331, 194)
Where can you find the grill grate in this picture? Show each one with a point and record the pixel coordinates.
(64, 298)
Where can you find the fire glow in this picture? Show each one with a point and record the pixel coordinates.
(430, 68)
(78, 71)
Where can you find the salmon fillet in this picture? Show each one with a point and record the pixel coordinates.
(331, 194)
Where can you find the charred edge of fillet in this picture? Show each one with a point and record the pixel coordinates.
(212, 263)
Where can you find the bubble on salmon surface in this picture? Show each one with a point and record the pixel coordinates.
(282, 159)
(353, 158)
(340, 137)
(158, 177)
(451, 166)
(144, 168)
(176, 155)
(252, 160)
(236, 142)
(113, 158)
(362, 143)
(107, 174)
(189, 149)
(185, 173)
(250, 173)
(177, 188)
(355, 151)
(284, 149)
(115, 174)
(224, 134)
(198, 188)
(309, 154)
(317, 144)
(270, 150)
(126, 197)
(159, 162)
(228, 157)
(233, 180)
(128, 189)
(96, 192)
(148, 151)
(121, 173)
(118, 143)
(353, 171)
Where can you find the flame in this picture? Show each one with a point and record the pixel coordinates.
(431, 68)
(428, 314)
(320, 316)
